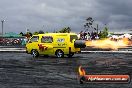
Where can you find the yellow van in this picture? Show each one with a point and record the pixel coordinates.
(58, 44)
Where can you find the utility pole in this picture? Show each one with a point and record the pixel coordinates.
(2, 21)
(97, 28)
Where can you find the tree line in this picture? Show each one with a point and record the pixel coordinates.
(89, 24)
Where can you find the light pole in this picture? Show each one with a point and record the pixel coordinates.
(2, 21)
(97, 28)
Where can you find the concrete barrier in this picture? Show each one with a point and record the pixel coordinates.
(23, 50)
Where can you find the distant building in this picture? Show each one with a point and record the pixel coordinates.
(11, 35)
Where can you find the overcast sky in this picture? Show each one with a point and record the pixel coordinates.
(50, 15)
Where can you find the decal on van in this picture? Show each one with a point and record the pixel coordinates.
(42, 48)
(60, 40)
(62, 44)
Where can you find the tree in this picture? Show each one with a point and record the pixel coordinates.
(21, 33)
(65, 30)
(41, 32)
(104, 33)
(89, 24)
(35, 33)
(30, 34)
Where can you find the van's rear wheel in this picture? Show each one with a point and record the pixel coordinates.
(59, 53)
(35, 53)
(70, 54)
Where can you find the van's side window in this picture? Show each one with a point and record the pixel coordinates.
(47, 39)
(34, 39)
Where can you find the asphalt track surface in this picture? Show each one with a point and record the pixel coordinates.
(20, 70)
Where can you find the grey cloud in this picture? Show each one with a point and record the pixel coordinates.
(54, 14)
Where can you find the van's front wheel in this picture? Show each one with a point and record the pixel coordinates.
(35, 53)
(59, 53)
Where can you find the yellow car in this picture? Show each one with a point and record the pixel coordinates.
(58, 44)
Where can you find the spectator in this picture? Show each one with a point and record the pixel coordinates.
(88, 36)
(92, 35)
(85, 35)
